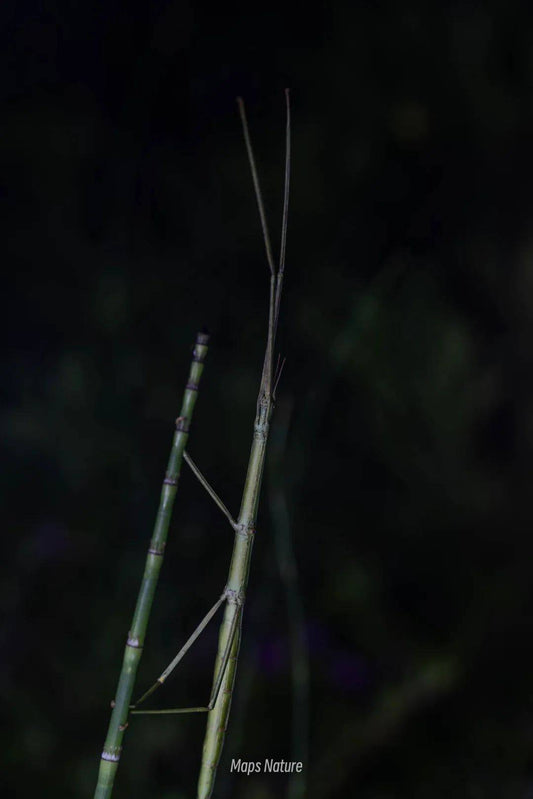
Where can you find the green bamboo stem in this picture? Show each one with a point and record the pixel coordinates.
(245, 527)
(132, 654)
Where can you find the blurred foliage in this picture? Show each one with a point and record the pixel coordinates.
(129, 222)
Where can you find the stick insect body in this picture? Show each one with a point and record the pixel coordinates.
(233, 596)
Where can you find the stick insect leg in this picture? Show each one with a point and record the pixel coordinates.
(216, 687)
(187, 645)
(225, 658)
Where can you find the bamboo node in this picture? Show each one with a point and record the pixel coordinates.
(203, 338)
(182, 424)
(113, 756)
(197, 356)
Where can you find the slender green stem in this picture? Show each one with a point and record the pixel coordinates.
(113, 744)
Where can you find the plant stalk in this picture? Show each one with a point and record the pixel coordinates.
(134, 646)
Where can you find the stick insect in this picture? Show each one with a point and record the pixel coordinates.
(233, 596)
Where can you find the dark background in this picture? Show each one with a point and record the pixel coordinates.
(401, 466)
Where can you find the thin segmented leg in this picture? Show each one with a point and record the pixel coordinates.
(172, 665)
